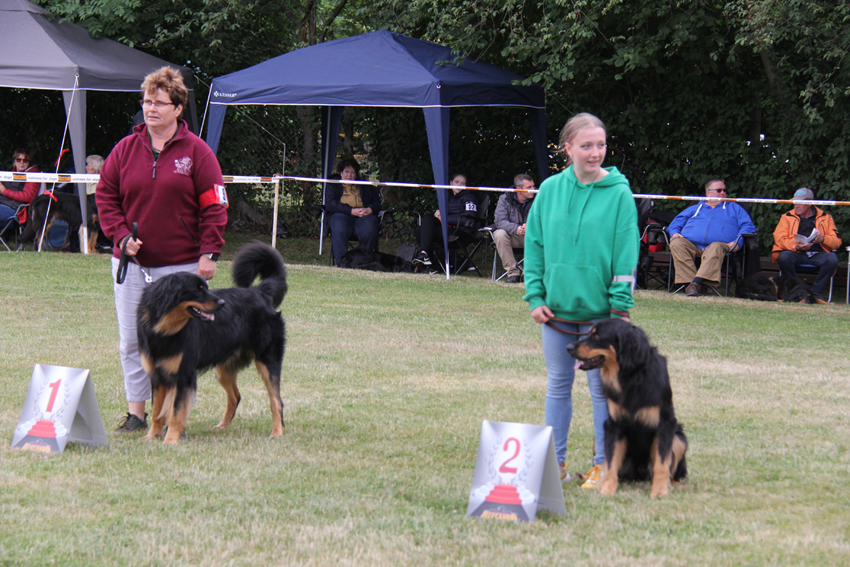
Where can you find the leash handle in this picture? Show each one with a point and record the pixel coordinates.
(124, 260)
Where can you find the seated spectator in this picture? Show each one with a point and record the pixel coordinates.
(706, 231)
(509, 225)
(353, 209)
(794, 245)
(460, 201)
(15, 193)
(93, 165)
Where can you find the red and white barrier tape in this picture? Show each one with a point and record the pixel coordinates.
(235, 179)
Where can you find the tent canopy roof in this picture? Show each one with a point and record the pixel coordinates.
(37, 52)
(40, 53)
(380, 68)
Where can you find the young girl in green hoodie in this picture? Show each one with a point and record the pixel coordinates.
(581, 250)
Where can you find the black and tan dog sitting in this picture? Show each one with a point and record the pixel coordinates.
(759, 287)
(185, 327)
(643, 439)
(792, 290)
(776, 288)
(66, 207)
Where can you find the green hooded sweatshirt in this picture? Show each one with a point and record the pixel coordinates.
(581, 247)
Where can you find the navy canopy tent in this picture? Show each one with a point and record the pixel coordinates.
(380, 68)
(37, 52)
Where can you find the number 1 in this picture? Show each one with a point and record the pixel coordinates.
(55, 388)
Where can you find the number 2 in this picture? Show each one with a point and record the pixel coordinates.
(507, 469)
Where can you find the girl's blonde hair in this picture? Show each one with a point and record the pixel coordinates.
(575, 124)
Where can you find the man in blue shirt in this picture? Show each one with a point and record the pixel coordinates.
(707, 230)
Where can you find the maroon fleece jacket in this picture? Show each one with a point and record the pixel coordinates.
(163, 197)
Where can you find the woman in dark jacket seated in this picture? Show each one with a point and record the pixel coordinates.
(460, 203)
(353, 209)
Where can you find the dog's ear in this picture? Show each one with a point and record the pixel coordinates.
(167, 293)
(634, 348)
(157, 299)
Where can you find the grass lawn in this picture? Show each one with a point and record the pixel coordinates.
(387, 378)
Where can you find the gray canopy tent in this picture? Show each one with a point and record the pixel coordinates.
(37, 52)
(380, 68)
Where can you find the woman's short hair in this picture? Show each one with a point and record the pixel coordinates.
(95, 162)
(169, 80)
(577, 123)
(343, 163)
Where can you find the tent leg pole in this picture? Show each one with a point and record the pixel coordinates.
(84, 239)
(321, 232)
(274, 217)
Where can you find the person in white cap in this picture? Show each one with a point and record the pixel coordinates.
(806, 235)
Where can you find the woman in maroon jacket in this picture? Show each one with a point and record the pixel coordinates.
(16, 193)
(167, 181)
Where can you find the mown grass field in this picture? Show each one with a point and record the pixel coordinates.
(387, 378)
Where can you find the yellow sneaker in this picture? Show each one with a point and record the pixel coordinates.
(592, 478)
(562, 468)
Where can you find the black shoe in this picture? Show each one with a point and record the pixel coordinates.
(422, 258)
(132, 423)
(514, 279)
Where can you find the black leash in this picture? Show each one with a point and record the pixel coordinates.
(125, 260)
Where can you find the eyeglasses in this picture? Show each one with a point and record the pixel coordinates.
(155, 103)
(21, 160)
(718, 190)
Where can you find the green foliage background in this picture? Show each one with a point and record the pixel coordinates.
(756, 91)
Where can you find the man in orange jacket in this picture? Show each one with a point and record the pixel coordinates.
(806, 236)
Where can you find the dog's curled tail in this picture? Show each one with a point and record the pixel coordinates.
(258, 259)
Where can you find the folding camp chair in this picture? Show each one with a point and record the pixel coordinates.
(487, 232)
(11, 223)
(732, 270)
(464, 244)
(520, 263)
(654, 260)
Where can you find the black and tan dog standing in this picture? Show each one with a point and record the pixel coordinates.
(184, 327)
(643, 439)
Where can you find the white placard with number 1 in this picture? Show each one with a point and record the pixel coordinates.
(60, 406)
(516, 473)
